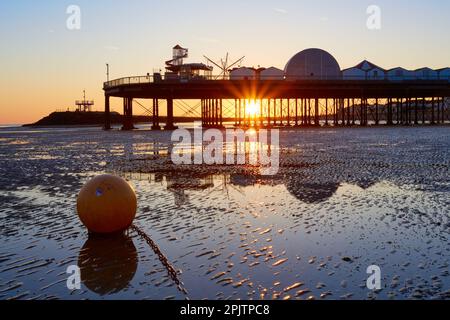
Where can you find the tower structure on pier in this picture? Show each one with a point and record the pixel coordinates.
(176, 69)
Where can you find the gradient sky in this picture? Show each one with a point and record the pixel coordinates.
(44, 66)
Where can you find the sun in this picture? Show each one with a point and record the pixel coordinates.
(252, 108)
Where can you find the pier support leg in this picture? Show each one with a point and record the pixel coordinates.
(281, 112)
(397, 105)
(205, 106)
(275, 112)
(334, 113)
(402, 112)
(169, 124)
(221, 113)
(239, 112)
(389, 112)
(405, 111)
(433, 121)
(155, 121)
(416, 111)
(443, 110)
(307, 112)
(127, 114)
(361, 111)
(316, 112)
(348, 112)
(214, 113)
(303, 109)
(235, 113)
(377, 115)
(424, 105)
(107, 125)
(202, 102)
(288, 112)
(408, 111)
(353, 112)
(364, 109)
(217, 122)
(438, 110)
(210, 112)
(261, 113)
(244, 113)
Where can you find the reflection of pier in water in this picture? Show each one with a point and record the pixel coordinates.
(180, 183)
(181, 180)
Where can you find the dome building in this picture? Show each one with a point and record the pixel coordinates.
(313, 64)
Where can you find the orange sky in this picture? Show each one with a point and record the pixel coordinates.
(44, 66)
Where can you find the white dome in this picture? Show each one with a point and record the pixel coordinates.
(313, 64)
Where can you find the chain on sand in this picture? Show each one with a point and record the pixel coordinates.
(170, 269)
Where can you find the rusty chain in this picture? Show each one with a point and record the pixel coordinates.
(173, 274)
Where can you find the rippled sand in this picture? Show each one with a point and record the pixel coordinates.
(344, 199)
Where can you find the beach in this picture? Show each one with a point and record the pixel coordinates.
(344, 199)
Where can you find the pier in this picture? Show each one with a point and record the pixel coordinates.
(282, 103)
(312, 90)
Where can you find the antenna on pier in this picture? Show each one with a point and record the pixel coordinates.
(224, 66)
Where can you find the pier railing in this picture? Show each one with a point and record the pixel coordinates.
(157, 79)
(135, 80)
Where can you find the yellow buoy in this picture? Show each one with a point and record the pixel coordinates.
(107, 204)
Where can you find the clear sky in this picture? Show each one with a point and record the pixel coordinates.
(44, 66)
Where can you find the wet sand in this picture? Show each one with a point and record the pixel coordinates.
(343, 199)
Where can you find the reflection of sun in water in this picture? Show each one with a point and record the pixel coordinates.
(252, 108)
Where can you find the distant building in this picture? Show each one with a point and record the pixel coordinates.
(400, 74)
(364, 71)
(354, 73)
(444, 74)
(243, 73)
(313, 64)
(271, 73)
(426, 74)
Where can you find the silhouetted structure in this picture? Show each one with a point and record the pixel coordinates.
(312, 93)
(84, 105)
